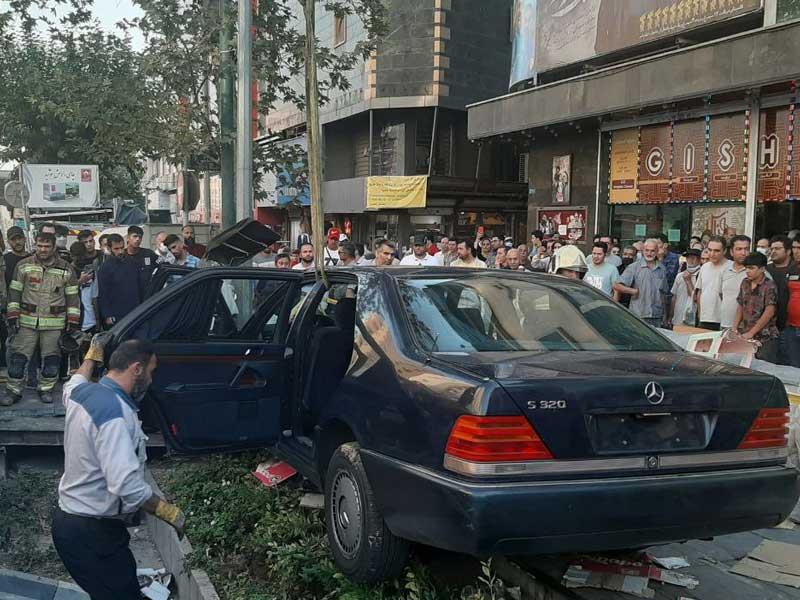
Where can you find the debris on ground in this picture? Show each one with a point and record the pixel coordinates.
(773, 562)
(670, 563)
(154, 583)
(628, 576)
(312, 501)
(274, 473)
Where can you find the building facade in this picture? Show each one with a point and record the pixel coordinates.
(404, 115)
(674, 117)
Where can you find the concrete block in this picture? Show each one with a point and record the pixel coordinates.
(69, 591)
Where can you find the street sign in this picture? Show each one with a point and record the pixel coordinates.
(16, 194)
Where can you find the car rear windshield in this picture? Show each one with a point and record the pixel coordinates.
(495, 314)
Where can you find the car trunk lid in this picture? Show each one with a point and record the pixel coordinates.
(600, 404)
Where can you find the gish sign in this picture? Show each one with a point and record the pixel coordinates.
(654, 163)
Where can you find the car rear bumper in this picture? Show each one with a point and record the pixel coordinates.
(579, 515)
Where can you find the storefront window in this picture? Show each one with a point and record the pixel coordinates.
(386, 227)
(633, 222)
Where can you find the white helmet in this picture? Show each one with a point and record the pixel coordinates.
(568, 258)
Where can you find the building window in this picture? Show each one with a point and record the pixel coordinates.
(339, 30)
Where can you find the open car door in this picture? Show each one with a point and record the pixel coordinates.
(220, 338)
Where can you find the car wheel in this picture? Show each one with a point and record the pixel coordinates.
(363, 547)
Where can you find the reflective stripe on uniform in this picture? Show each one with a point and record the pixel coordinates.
(16, 285)
(71, 290)
(35, 322)
(13, 306)
(74, 311)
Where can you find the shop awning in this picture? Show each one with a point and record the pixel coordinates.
(744, 61)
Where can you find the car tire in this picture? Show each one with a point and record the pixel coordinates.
(363, 547)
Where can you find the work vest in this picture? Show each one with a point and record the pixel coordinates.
(42, 296)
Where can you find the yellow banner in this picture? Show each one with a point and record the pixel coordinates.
(624, 166)
(397, 192)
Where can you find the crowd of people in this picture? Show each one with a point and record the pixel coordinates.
(49, 291)
(716, 284)
(55, 299)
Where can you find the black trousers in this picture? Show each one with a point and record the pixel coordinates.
(710, 326)
(96, 555)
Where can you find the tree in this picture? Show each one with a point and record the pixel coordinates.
(77, 97)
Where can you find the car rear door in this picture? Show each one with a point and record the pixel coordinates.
(220, 338)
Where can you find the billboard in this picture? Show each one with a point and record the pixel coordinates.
(773, 150)
(549, 34)
(726, 148)
(688, 161)
(59, 187)
(655, 163)
(624, 179)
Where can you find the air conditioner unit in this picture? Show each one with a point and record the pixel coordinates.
(522, 176)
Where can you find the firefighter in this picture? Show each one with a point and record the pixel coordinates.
(43, 300)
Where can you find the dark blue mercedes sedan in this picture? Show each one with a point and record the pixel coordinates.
(479, 412)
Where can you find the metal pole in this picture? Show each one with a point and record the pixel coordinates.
(597, 193)
(244, 135)
(752, 167)
(433, 140)
(226, 108)
(207, 197)
(371, 133)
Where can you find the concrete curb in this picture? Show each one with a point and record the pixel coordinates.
(192, 584)
(27, 586)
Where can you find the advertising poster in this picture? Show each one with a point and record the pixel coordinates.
(772, 155)
(58, 187)
(397, 192)
(654, 163)
(688, 163)
(569, 223)
(624, 166)
(562, 179)
(523, 65)
(548, 34)
(724, 220)
(726, 157)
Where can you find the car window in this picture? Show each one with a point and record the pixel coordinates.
(246, 309)
(480, 314)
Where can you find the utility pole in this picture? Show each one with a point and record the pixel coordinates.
(244, 113)
(314, 132)
(226, 121)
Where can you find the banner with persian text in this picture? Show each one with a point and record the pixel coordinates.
(623, 183)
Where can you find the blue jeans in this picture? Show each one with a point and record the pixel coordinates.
(789, 348)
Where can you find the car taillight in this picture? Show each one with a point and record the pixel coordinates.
(768, 430)
(495, 439)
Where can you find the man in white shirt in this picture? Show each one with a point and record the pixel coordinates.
(732, 277)
(683, 290)
(330, 253)
(466, 257)
(306, 258)
(103, 487)
(420, 257)
(708, 290)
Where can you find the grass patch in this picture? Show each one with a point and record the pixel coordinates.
(258, 544)
(27, 501)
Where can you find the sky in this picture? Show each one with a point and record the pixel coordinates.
(109, 12)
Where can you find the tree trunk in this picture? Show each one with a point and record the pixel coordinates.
(314, 132)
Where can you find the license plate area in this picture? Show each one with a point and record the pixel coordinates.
(649, 433)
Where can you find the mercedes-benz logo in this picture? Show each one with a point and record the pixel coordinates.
(654, 393)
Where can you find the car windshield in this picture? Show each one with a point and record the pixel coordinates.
(494, 314)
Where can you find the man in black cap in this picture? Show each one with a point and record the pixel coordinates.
(16, 241)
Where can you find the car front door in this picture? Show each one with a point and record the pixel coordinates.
(222, 376)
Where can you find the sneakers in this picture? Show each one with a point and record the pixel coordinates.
(8, 398)
(46, 397)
